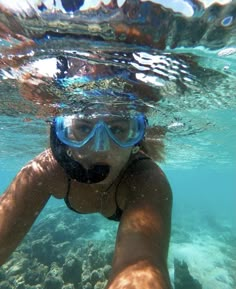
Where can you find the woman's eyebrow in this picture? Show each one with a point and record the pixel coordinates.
(118, 119)
(83, 120)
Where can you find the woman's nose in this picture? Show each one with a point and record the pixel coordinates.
(101, 140)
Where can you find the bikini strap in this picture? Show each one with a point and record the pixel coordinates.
(118, 213)
(142, 157)
(66, 199)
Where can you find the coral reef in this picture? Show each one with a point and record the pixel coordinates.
(60, 253)
(182, 277)
(64, 250)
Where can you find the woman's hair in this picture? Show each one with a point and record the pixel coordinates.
(153, 143)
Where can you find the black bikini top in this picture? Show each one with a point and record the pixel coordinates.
(118, 213)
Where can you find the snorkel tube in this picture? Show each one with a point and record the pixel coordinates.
(95, 174)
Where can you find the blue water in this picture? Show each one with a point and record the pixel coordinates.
(186, 75)
(208, 191)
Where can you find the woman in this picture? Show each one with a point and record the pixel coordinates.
(98, 163)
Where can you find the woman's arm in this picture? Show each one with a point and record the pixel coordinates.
(25, 198)
(140, 259)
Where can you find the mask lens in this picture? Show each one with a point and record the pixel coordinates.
(73, 130)
(80, 129)
(123, 130)
(127, 132)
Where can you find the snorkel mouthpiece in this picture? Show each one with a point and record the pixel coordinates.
(97, 173)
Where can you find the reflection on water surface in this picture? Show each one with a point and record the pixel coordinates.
(175, 63)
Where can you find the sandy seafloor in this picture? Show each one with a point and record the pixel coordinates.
(69, 251)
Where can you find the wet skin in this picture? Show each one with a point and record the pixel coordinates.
(140, 257)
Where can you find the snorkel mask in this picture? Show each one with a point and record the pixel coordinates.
(95, 133)
(76, 131)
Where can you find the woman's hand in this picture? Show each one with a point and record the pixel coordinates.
(139, 276)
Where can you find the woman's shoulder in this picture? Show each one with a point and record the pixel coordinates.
(144, 177)
(143, 168)
(44, 165)
(46, 171)
(46, 159)
(141, 161)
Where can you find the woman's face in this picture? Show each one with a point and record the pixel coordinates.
(102, 139)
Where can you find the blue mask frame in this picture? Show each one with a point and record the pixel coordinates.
(101, 134)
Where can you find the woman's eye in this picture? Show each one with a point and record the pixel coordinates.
(83, 129)
(117, 129)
